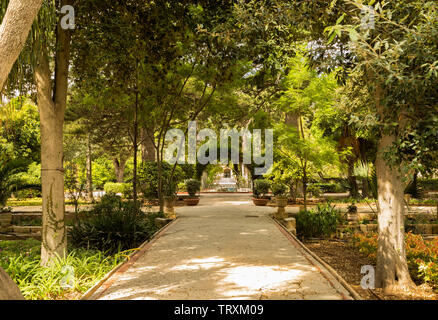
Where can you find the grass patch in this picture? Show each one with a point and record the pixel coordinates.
(29, 202)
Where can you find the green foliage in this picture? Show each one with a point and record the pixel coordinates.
(113, 225)
(20, 130)
(32, 179)
(397, 63)
(103, 172)
(9, 181)
(148, 178)
(193, 186)
(279, 189)
(321, 222)
(261, 188)
(313, 190)
(125, 189)
(21, 260)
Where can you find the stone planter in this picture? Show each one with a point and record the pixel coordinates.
(169, 207)
(281, 202)
(260, 201)
(191, 201)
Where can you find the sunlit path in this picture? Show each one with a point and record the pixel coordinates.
(224, 248)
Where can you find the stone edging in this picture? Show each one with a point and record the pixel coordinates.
(341, 280)
(130, 260)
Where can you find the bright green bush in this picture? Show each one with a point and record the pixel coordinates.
(113, 225)
(103, 172)
(321, 222)
(125, 189)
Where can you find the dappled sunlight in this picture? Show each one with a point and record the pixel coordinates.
(247, 279)
(195, 264)
(236, 203)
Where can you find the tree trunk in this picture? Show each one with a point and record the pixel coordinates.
(365, 188)
(8, 288)
(392, 272)
(147, 145)
(89, 171)
(354, 190)
(293, 119)
(14, 30)
(51, 106)
(119, 169)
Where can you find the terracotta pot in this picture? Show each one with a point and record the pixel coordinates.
(260, 202)
(191, 201)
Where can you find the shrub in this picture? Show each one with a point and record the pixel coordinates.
(193, 186)
(321, 222)
(279, 189)
(125, 189)
(313, 190)
(113, 225)
(261, 188)
(148, 179)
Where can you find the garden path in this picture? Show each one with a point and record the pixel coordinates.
(224, 248)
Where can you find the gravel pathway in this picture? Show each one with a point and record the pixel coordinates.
(224, 248)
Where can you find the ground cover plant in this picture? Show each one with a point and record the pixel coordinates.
(66, 278)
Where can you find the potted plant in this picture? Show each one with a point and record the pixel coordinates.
(193, 186)
(261, 188)
(280, 191)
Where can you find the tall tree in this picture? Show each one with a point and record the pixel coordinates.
(14, 30)
(52, 101)
(396, 58)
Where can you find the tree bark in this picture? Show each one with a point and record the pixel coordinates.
(292, 119)
(392, 272)
(147, 145)
(52, 109)
(14, 30)
(365, 188)
(89, 171)
(119, 169)
(8, 289)
(354, 190)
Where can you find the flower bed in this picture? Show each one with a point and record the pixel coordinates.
(422, 255)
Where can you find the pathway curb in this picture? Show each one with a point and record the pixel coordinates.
(125, 264)
(341, 280)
